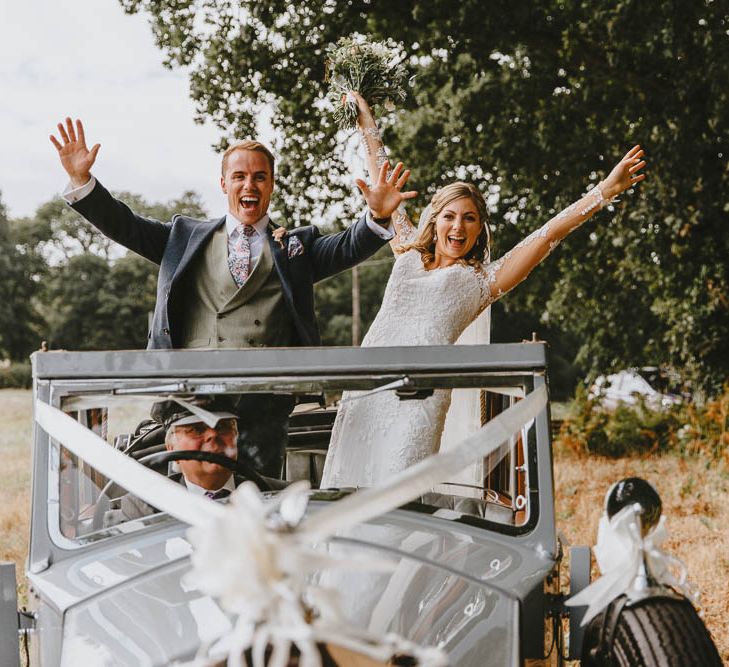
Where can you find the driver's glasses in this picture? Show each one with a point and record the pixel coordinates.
(225, 427)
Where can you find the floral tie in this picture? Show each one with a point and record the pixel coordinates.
(239, 257)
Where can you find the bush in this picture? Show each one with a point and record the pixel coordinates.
(17, 375)
(706, 431)
(639, 430)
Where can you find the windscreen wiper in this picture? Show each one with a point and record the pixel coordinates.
(403, 388)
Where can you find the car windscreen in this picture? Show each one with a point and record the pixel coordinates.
(338, 433)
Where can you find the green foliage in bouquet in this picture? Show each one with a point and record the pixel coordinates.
(373, 69)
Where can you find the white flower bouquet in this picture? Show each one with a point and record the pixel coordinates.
(373, 69)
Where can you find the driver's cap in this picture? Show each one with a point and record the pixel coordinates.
(194, 419)
(201, 409)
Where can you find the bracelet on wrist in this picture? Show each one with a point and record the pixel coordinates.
(598, 199)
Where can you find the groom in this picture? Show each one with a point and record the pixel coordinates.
(228, 283)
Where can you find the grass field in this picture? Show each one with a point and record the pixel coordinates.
(15, 431)
(695, 498)
(697, 515)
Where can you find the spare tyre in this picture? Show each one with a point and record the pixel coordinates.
(656, 631)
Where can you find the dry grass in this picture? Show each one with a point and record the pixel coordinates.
(695, 497)
(695, 501)
(15, 442)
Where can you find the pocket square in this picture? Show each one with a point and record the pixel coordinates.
(295, 247)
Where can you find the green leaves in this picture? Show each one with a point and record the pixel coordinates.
(19, 321)
(63, 282)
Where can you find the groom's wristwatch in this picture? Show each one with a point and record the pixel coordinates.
(380, 221)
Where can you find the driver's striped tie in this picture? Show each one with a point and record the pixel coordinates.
(217, 495)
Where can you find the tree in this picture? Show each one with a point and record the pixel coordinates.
(20, 275)
(74, 299)
(60, 233)
(94, 304)
(333, 298)
(128, 299)
(93, 294)
(532, 101)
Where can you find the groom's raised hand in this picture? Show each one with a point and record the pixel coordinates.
(385, 195)
(75, 157)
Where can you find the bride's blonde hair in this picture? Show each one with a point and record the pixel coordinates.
(425, 242)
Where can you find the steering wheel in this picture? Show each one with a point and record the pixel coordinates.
(161, 458)
(236, 466)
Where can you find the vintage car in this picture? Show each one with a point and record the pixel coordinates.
(475, 564)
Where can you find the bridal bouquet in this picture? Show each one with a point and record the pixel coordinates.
(373, 69)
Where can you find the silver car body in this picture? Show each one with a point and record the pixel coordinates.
(478, 589)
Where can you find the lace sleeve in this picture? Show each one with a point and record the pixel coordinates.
(509, 270)
(376, 156)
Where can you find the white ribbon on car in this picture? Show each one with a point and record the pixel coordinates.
(264, 584)
(421, 477)
(620, 552)
(143, 482)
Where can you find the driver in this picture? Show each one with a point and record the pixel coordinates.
(187, 431)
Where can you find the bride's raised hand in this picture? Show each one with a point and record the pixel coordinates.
(365, 117)
(625, 174)
(386, 194)
(75, 157)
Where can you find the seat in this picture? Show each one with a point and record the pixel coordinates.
(484, 509)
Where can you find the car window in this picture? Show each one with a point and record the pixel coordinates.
(85, 495)
(495, 490)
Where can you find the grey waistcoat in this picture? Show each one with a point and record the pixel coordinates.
(219, 314)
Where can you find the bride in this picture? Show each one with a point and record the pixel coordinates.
(442, 279)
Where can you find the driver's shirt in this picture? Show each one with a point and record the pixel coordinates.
(200, 491)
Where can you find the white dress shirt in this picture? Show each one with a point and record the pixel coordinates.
(72, 195)
(200, 491)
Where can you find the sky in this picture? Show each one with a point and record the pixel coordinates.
(87, 59)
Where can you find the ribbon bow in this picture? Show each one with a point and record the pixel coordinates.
(620, 552)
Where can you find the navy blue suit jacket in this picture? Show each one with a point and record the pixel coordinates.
(175, 244)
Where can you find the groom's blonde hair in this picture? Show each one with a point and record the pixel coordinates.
(425, 242)
(248, 145)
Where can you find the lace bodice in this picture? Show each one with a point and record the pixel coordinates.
(514, 266)
(422, 307)
(434, 307)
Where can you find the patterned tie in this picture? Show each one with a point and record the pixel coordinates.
(239, 256)
(217, 495)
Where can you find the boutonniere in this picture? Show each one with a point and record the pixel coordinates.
(295, 247)
(279, 234)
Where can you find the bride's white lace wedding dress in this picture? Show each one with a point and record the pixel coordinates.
(379, 435)
(376, 436)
